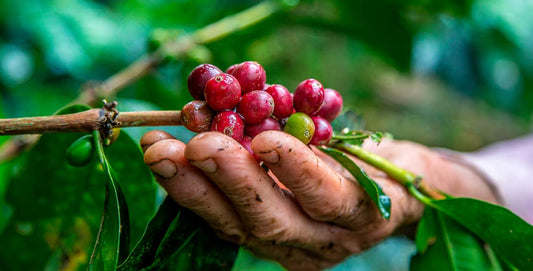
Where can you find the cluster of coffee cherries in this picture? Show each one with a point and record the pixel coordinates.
(240, 104)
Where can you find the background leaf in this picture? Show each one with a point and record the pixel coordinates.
(56, 208)
(144, 252)
(375, 192)
(190, 244)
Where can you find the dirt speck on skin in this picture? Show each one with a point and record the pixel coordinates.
(290, 149)
(258, 198)
(220, 149)
(328, 246)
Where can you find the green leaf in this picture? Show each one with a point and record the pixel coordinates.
(190, 244)
(144, 252)
(349, 120)
(113, 237)
(426, 232)
(247, 261)
(510, 237)
(444, 244)
(54, 208)
(375, 192)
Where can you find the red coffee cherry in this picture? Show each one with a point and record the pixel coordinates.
(198, 77)
(256, 106)
(323, 131)
(246, 142)
(228, 123)
(332, 106)
(282, 100)
(222, 92)
(231, 68)
(266, 125)
(196, 116)
(308, 97)
(251, 76)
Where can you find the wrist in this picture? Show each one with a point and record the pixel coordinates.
(468, 181)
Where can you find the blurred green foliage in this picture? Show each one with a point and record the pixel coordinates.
(455, 74)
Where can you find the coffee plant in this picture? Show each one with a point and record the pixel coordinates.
(240, 102)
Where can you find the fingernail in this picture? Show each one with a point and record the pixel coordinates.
(270, 156)
(208, 165)
(165, 168)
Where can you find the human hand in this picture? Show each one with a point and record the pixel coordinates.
(307, 212)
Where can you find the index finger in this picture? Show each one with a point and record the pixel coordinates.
(323, 193)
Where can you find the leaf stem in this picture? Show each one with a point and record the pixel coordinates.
(406, 178)
(344, 137)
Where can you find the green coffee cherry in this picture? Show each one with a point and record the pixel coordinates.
(81, 151)
(301, 126)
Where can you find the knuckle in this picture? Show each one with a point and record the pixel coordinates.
(274, 231)
(326, 210)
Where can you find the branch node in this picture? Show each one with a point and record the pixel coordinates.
(107, 119)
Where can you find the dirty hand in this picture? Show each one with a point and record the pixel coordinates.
(306, 212)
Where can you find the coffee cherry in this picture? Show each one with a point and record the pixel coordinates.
(228, 123)
(222, 92)
(323, 131)
(246, 142)
(196, 116)
(81, 151)
(198, 78)
(251, 76)
(300, 126)
(231, 68)
(266, 125)
(309, 96)
(332, 106)
(282, 100)
(256, 106)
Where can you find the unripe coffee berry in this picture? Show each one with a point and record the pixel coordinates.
(222, 92)
(332, 106)
(196, 116)
(323, 131)
(300, 126)
(251, 76)
(81, 151)
(256, 106)
(282, 100)
(199, 77)
(228, 123)
(308, 97)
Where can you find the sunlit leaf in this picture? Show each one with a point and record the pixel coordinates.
(375, 192)
(444, 244)
(510, 237)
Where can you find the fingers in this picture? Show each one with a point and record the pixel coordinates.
(269, 215)
(323, 193)
(152, 137)
(189, 187)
